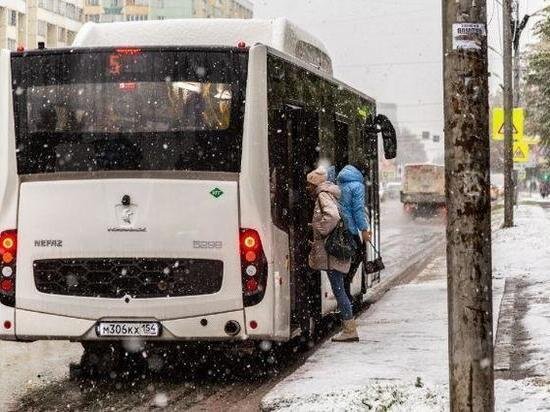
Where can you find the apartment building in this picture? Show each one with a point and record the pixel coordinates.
(25, 23)
(238, 9)
(101, 11)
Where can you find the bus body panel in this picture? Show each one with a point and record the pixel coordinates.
(256, 203)
(281, 281)
(47, 326)
(172, 219)
(9, 181)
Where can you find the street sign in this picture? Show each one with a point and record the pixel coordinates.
(518, 123)
(521, 152)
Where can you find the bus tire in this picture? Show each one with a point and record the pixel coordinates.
(99, 360)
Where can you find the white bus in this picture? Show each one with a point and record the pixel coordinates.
(152, 182)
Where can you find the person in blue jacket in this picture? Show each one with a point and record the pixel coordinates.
(352, 204)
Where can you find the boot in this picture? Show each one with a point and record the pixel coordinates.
(349, 332)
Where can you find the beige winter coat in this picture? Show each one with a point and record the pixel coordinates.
(325, 219)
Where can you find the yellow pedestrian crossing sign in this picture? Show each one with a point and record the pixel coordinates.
(521, 152)
(518, 123)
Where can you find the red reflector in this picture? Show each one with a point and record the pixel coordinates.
(7, 285)
(253, 324)
(251, 285)
(7, 324)
(250, 256)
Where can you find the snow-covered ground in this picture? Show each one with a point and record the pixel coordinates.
(400, 364)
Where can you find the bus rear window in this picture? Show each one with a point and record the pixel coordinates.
(129, 110)
(129, 107)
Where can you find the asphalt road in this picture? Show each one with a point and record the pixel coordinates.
(34, 376)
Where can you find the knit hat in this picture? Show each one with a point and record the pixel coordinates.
(317, 177)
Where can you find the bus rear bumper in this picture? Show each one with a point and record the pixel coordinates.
(32, 326)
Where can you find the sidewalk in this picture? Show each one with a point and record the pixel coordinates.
(401, 361)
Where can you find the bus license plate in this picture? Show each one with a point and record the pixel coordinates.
(121, 329)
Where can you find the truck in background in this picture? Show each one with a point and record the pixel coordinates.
(423, 189)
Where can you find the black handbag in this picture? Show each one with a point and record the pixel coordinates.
(373, 266)
(339, 243)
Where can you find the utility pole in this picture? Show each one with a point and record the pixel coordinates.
(518, 28)
(508, 110)
(468, 205)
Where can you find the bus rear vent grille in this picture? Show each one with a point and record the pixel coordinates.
(120, 277)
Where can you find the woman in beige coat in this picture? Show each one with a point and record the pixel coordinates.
(325, 218)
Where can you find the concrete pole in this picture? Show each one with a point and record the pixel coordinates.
(469, 209)
(508, 110)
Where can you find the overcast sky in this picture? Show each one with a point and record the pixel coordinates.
(390, 49)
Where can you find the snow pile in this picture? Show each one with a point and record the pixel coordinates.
(531, 394)
(375, 397)
(523, 253)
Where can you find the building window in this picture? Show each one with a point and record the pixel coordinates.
(70, 37)
(92, 17)
(42, 28)
(61, 35)
(136, 17)
(13, 18)
(92, 2)
(12, 44)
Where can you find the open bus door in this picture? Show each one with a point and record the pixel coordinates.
(302, 131)
(373, 127)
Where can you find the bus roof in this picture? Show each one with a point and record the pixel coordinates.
(280, 34)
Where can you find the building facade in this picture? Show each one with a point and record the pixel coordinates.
(102, 11)
(25, 23)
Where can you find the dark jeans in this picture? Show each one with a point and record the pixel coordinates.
(355, 262)
(337, 284)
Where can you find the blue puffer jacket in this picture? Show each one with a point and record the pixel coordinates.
(352, 200)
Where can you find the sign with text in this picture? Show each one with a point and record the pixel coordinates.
(468, 36)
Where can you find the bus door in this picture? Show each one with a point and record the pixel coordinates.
(372, 177)
(302, 131)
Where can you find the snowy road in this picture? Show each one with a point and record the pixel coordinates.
(404, 239)
(38, 371)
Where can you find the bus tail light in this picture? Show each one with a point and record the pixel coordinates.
(8, 254)
(253, 267)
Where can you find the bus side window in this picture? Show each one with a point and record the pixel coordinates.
(279, 168)
(341, 137)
